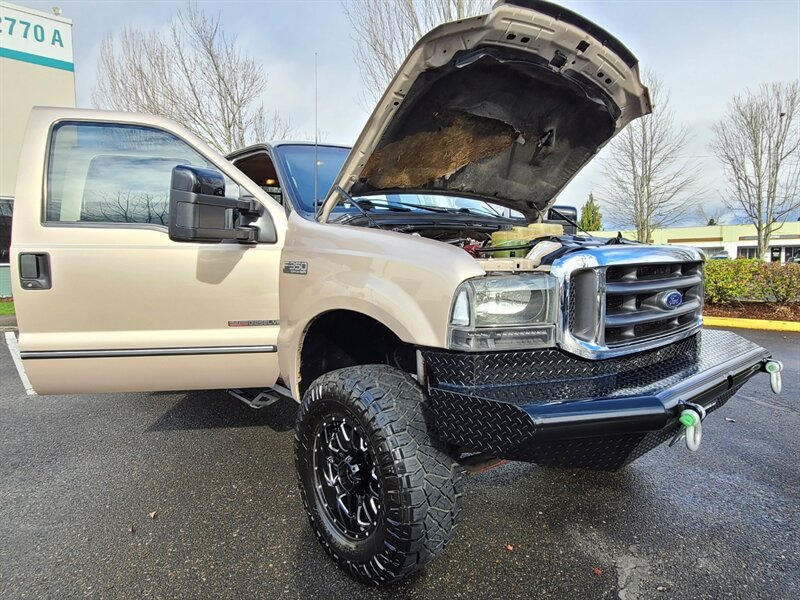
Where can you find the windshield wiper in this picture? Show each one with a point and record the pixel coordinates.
(368, 205)
(463, 210)
(438, 209)
(407, 206)
(364, 212)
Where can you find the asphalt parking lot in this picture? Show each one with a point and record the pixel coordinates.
(79, 476)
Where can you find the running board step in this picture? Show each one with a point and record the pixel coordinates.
(259, 397)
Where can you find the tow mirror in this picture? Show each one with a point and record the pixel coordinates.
(200, 212)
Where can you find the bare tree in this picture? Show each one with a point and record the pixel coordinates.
(710, 214)
(386, 30)
(758, 144)
(194, 74)
(647, 180)
(129, 207)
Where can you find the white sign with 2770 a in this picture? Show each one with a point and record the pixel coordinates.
(35, 37)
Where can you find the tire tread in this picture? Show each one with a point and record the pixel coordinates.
(427, 494)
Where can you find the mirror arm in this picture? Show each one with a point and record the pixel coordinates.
(247, 205)
(247, 235)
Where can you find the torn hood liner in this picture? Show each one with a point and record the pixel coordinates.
(505, 107)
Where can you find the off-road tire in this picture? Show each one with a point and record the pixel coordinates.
(421, 486)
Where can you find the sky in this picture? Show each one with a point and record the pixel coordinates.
(705, 52)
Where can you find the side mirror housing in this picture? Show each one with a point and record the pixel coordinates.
(557, 217)
(200, 212)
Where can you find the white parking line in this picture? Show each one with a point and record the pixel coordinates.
(11, 340)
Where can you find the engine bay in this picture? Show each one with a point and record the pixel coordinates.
(498, 243)
(512, 248)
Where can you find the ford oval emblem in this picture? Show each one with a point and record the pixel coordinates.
(672, 299)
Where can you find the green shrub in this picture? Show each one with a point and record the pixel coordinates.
(729, 280)
(778, 283)
(740, 279)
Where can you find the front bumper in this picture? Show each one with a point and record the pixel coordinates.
(549, 407)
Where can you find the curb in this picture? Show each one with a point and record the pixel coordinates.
(752, 324)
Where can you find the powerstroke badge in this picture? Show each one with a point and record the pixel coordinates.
(262, 323)
(295, 267)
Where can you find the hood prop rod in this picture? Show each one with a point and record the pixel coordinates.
(364, 212)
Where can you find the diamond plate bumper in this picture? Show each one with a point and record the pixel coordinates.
(548, 407)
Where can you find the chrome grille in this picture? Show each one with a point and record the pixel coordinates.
(620, 305)
(635, 300)
(613, 298)
(571, 308)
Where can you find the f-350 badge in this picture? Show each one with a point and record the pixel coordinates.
(295, 267)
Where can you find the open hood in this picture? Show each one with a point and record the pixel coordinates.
(505, 107)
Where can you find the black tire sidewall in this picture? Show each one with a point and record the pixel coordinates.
(420, 481)
(355, 551)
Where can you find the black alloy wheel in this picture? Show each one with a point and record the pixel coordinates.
(382, 496)
(346, 476)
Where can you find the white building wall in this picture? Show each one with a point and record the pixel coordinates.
(36, 69)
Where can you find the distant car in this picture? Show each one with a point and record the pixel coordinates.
(719, 256)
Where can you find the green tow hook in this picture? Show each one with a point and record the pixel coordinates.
(774, 368)
(691, 420)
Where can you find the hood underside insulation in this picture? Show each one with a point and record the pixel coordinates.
(494, 125)
(426, 156)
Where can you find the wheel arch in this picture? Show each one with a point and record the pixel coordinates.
(343, 337)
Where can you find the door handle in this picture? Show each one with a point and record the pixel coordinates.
(34, 271)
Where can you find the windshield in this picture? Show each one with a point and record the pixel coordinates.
(433, 203)
(298, 163)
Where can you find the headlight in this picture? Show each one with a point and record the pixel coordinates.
(508, 312)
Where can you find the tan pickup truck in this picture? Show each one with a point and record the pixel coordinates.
(407, 293)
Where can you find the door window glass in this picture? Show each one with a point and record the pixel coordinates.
(114, 173)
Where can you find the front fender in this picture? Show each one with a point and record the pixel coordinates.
(405, 282)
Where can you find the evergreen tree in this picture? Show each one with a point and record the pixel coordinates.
(591, 219)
